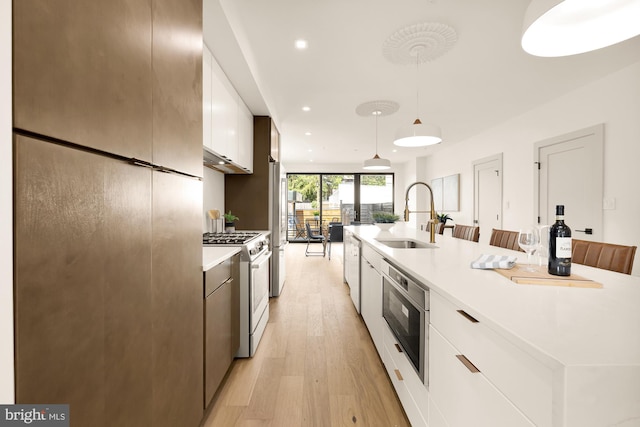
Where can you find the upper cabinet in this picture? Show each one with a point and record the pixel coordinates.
(110, 76)
(177, 85)
(95, 91)
(227, 122)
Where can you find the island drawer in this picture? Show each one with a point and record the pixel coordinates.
(465, 397)
(524, 380)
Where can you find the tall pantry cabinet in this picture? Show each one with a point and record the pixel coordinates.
(107, 183)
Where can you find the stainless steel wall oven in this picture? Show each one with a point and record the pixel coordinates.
(405, 307)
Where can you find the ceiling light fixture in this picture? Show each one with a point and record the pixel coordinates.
(306, 108)
(377, 109)
(301, 44)
(555, 28)
(377, 163)
(418, 134)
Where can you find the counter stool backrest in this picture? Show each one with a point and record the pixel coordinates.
(505, 239)
(603, 255)
(466, 232)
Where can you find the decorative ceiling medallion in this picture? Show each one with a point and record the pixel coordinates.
(422, 42)
(384, 107)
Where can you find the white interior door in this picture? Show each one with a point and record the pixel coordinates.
(487, 183)
(570, 173)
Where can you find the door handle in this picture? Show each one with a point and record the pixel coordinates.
(586, 231)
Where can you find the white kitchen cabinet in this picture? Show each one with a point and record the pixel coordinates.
(227, 121)
(464, 396)
(371, 294)
(410, 390)
(352, 267)
(245, 136)
(224, 115)
(499, 382)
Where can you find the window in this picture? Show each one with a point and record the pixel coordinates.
(319, 199)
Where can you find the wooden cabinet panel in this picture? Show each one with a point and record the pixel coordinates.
(217, 338)
(82, 73)
(207, 59)
(83, 240)
(177, 301)
(177, 85)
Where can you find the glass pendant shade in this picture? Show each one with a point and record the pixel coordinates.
(418, 135)
(555, 28)
(377, 163)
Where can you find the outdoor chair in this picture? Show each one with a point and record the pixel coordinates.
(311, 237)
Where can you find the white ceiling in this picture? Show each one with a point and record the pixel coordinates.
(485, 79)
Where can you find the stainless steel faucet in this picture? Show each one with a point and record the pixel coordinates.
(433, 221)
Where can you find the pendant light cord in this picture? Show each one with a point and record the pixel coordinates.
(377, 113)
(418, 85)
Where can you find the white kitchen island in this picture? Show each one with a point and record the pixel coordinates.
(547, 355)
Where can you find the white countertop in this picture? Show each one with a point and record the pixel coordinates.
(555, 324)
(214, 255)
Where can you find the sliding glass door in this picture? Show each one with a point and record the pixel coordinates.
(319, 199)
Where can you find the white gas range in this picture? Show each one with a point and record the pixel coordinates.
(254, 283)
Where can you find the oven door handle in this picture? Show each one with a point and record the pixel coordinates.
(255, 264)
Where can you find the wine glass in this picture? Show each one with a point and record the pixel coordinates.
(543, 244)
(528, 239)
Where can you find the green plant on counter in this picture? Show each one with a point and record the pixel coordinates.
(443, 217)
(230, 218)
(385, 217)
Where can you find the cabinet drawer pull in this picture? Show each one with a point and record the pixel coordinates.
(398, 375)
(466, 362)
(467, 316)
(398, 348)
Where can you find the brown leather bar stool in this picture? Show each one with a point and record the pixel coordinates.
(603, 255)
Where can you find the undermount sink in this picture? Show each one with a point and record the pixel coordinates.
(405, 244)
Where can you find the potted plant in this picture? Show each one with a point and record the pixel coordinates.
(316, 214)
(384, 220)
(229, 222)
(443, 218)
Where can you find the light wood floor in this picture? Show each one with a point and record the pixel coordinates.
(316, 364)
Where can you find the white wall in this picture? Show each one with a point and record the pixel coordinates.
(6, 210)
(213, 193)
(613, 100)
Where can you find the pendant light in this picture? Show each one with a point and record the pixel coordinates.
(418, 134)
(555, 28)
(377, 163)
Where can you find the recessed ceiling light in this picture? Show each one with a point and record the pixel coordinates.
(308, 133)
(394, 150)
(310, 150)
(306, 108)
(301, 44)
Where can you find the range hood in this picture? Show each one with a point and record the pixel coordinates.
(221, 163)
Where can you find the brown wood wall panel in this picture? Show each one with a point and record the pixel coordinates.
(81, 293)
(177, 301)
(248, 195)
(82, 72)
(177, 85)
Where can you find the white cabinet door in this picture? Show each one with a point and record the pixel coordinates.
(224, 119)
(245, 136)
(207, 59)
(371, 298)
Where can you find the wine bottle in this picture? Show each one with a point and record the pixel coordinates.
(559, 246)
